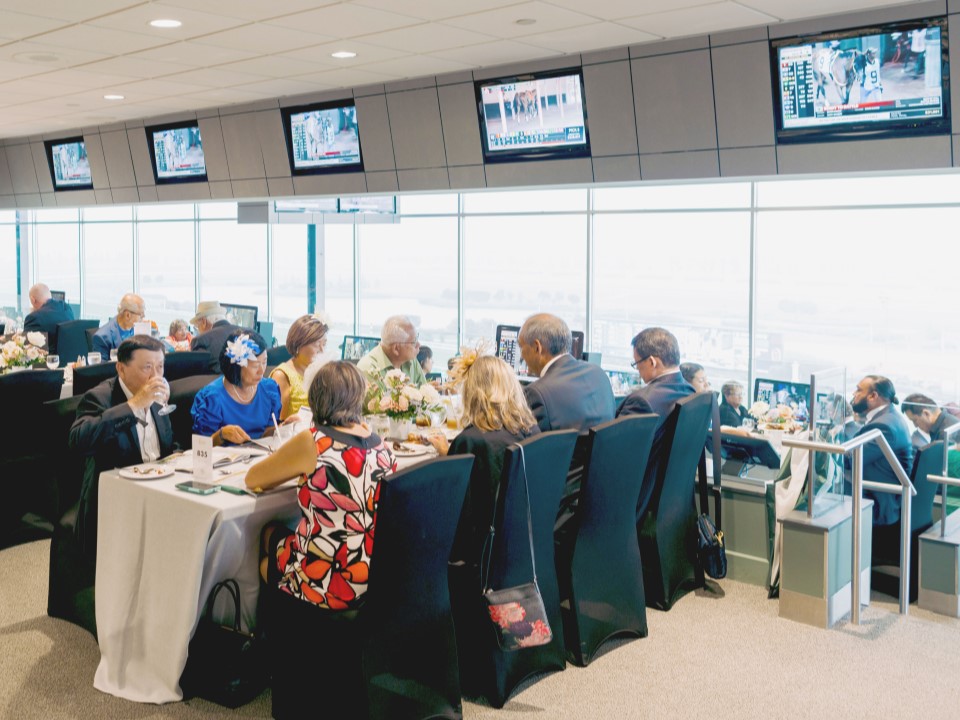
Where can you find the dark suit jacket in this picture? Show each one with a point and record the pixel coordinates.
(213, 341)
(46, 319)
(729, 415)
(657, 396)
(105, 434)
(889, 421)
(573, 395)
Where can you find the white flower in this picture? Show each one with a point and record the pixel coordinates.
(412, 394)
(33, 353)
(395, 377)
(759, 410)
(36, 339)
(430, 394)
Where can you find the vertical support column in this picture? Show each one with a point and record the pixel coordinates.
(855, 528)
(906, 503)
(752, 307)
(811, 468)
(311, 268)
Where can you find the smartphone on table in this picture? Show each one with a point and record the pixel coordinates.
(198, 488)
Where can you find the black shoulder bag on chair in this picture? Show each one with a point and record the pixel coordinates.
(711, 552)
(517, 613)
(224, 663)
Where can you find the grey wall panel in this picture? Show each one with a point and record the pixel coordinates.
(6, 184)
(209, 113)
(467, 177)
(273, 148)
(280, 187)
(736, 37)
(174, 117)
(214, 150)
(116, 155)
(385, 181)
(8, 202)
(455, 78)
(250, 188)
(744, 95)
(42, 167)
(74, 198)
(605, 56)
(243, 152)
(317, 97)
(98, 164)
(128, 195)
(426, 179)
(544, 172)
(610, 117)
(183, 191)
(854, 19)
(616, 169)
(368, 90)
(866, 155)
(48, 199)
(673, 97)
(255, 106)
(956, 150)
(518, 68)
(417, 83)
(23, 174)
(104, 197)
(27, 201)
(953, 27)
(140, 153)
(461, 128)
(680, 166)
(743, 162)
(338, 184)
(374, 127)
(147, 193)
(669, 47)
(221, 189)
(416, 130)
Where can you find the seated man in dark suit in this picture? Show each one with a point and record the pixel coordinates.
(47, 314)
(213, 329)
(117, 425)
(928, 418)
(876, 398)
(656, 356)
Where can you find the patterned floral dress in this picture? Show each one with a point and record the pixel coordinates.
(327, 560)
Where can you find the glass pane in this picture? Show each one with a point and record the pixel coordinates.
(233, 264)
(289, 277)
(338, 282)
(673, 197)
(107, 267)
(8, 266)
(58, 215)
(58, 257)
(160, 211)
(516, 266)
(225, 211)
(698, 290)
(411, 269)
(863, 291)
(8, 216)
(897, 190)
(109, 212)
(428, 204)
(167, 271)
(526, 201)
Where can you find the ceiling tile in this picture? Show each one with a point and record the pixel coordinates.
(193, 54)
(698, 20)
(417, 66)
(17, 26)
(137, 19)
(434, 9)
(349, 77)
(589, 37)
(253, 10)
(345, 21)
(32, 86)
(72, 10)
(792, 10)
(65, 57)
(496, 53)
(365, 53)
(147, 89)
(280, 87)
(80, 79)
(615, 9)
(502, 21)
(221, 96)
(134, 66)
(262, 39)
(425, 38)
(277, 66)
(10, 70)
(115, 42)
(214, 77)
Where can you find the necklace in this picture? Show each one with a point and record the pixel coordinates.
(235, 393)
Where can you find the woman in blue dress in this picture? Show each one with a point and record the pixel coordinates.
(242, 404)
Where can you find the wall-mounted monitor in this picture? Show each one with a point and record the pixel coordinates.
(69, 166)
(781, 392)
(176, 153)
(323, 138)
(533, 117)
(355, 347)
(508, 349)
(244, 316)
(878, 81)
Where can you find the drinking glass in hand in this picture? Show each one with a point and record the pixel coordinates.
(165, 408)
(53, 361)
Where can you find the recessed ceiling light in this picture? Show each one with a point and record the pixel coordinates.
(525, 21)
(343, 54)
(165, 24)
(113, 97)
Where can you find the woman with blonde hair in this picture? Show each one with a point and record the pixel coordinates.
(306, 339)
(496, 416)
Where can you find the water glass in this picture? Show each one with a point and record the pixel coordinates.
(165, 408)
(113, 354)
(94, 358)
(748, 424)
(53, 361)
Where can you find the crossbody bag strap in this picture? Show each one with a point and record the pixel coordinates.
(717, 460)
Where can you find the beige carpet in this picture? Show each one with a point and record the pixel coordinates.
(720, 654)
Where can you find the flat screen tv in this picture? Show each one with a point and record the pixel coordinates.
(176, 153)
(508, 349)
(879, 81)
(69, 166)
(781, 392)
(244, 316)
(323, 138)
(355, 347)
(533, 117)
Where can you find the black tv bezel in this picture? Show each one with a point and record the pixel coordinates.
(863, 130)
(151, 129)
(525, 155)
(287, 112)
(48, 146)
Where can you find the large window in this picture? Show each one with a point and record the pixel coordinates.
(57, 256)
(8, 263)
(167, 266)
(108, 266)
(337, 300)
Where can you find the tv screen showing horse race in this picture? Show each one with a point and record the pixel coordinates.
(322, 138)
(872, 81)
(533, 116)
(177, 153)
(69, 165)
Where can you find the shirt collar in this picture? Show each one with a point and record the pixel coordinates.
(876, 411)
(552, 361)
(123, 386)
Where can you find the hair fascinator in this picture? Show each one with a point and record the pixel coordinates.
(241, 350)
(462, 363)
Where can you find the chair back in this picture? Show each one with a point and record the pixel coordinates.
(277, 355)
(72, 339)
(66, 466)
(927, 461)
(687, 429)
(182, 392)
(410, 660)
(90, 376)
(179, 365)
(90, 332)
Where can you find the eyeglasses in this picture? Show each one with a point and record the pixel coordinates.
(636, 363)
(135, 313)
(412, 342)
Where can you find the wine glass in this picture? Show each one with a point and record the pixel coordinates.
(165, 408)
(53, 361)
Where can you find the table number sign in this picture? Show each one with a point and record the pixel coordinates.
(202, 458)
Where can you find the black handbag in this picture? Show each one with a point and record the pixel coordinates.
(711, 553)
(518, 614)
(224, 664)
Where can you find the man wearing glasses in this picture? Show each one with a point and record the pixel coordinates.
(398, 348)
(130, 310)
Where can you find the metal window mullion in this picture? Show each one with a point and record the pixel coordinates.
(356, 280)
(196, 256)
(461, 256)
(588, 329)
(269, 274)
(752, 296)
(81, 260)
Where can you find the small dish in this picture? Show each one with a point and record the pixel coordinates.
(147, 471)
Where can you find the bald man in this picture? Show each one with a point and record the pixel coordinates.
(47, 314)
(131, 310)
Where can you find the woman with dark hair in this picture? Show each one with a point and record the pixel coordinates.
(340, 465)
(306, 339)
(694, 374)
(242, 404)
(425, 358)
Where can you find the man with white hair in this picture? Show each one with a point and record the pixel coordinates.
(130, 311)
(213, 329)
(47, 314)
(398, 348)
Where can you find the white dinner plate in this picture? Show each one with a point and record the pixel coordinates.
(147, 471)
(409, 450)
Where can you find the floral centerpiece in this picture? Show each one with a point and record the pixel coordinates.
(22, 350)
(399, 399)
(782, 417)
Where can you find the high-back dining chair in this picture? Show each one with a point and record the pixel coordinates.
(72, 339)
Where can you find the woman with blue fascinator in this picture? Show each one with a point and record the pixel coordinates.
(242, 404)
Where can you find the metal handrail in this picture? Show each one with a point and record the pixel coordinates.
(944, 481)
(855, 445)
